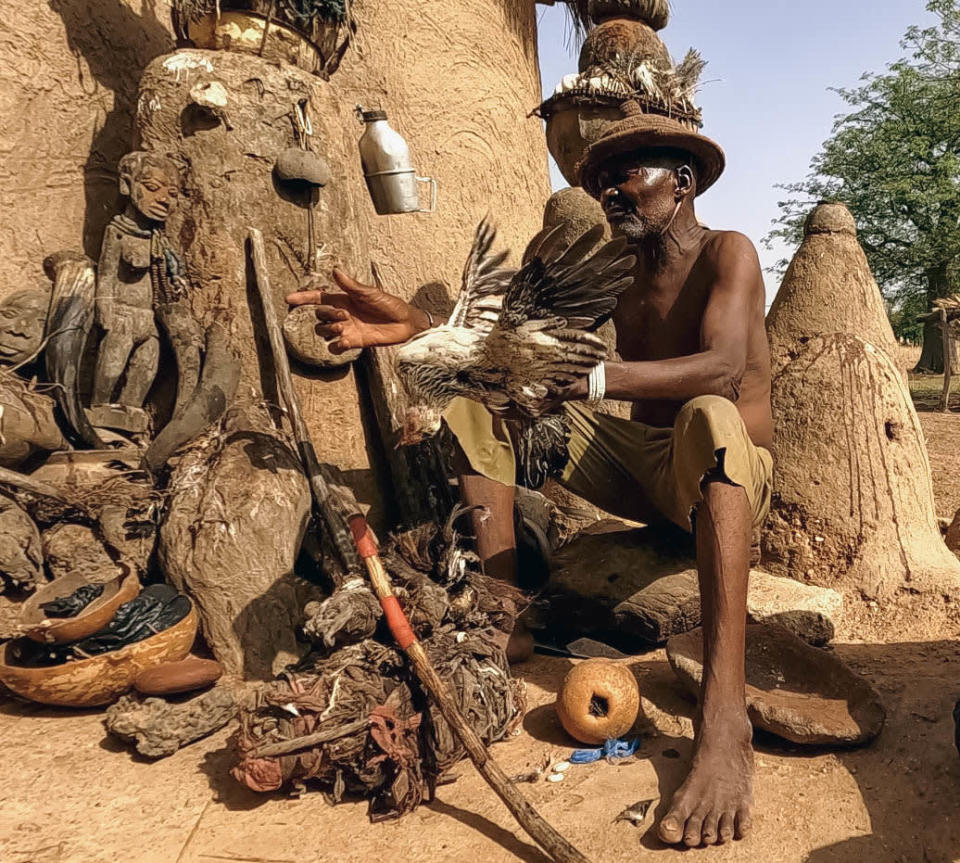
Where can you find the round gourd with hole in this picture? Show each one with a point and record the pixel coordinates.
(598, 701)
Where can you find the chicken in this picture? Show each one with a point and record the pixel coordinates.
(515, 338)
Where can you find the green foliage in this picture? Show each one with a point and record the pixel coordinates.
(894, 160)
(903, 312)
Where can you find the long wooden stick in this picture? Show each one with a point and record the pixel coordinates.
(323, 495)
(529, 819)
(527, 816)
(286, 747)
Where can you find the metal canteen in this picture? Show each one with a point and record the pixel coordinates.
(388, 168)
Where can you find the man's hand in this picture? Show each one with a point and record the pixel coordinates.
(361, 317)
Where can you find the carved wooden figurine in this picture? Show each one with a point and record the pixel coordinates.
(138, 269)
(23, 317)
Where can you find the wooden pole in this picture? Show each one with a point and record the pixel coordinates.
(421, 487)
(529, 819)
(947, 361)
(323, 494)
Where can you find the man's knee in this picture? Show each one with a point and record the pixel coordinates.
(706, 406)
(706, 423)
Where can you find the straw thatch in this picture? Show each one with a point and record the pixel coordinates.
(658, 85)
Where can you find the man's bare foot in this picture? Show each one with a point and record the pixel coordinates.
(715, 803)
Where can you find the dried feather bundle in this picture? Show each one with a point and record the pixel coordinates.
(328, 24)
(660, 86)
(365, 724)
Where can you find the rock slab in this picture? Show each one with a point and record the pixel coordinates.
(642, 584)
(795, 691)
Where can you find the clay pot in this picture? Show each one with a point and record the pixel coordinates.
(621, 37)
(571, 129)
(101, 679)
(242, 32)
(55, 630)
(598, 701)
(172, 678)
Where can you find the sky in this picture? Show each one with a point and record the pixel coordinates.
(765, 93)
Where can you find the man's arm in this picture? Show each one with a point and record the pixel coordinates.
(717, 369)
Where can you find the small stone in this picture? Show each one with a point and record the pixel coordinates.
(555, 777)
(307, 346)
(303, 166)
(561, 767)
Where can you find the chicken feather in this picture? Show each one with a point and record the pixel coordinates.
(516, 337)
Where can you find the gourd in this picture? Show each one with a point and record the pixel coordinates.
(598, 701)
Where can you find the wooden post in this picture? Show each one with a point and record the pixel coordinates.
(419, 475)
(947, 361)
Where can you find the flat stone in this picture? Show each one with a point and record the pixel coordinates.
(641, 584)
(812, 613)
(303, 166)
(952, 534)
(306, 346)
(800, 693)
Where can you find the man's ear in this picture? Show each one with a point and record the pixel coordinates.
(685, 181)
(125, 185)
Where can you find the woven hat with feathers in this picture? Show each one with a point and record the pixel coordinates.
(642, 129)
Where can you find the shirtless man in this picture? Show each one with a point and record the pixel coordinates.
(696, 452)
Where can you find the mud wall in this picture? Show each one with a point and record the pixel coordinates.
(69, 71)
(458, 80)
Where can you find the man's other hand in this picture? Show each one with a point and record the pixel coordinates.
(362, 316)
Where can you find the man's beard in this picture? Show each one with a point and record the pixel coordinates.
(635, 228)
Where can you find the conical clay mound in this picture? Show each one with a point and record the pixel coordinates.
(828, 288)
(853, 505)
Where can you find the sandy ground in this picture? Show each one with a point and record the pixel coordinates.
(71, 794)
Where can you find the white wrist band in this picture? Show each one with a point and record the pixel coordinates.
(597, 384)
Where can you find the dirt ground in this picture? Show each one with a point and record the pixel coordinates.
(71, 795)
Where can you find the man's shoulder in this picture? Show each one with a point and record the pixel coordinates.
(723, 243)
(732, 254)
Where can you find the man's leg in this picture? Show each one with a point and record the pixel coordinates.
(716, 800)
(492, 526)
(496, 542)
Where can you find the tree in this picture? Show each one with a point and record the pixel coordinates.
(894, 160)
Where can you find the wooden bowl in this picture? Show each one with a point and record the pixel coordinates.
(571, 128)
(59, 630)
(101, 679)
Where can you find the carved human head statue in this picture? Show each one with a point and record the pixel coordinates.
(151, 182)
(23, 318)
